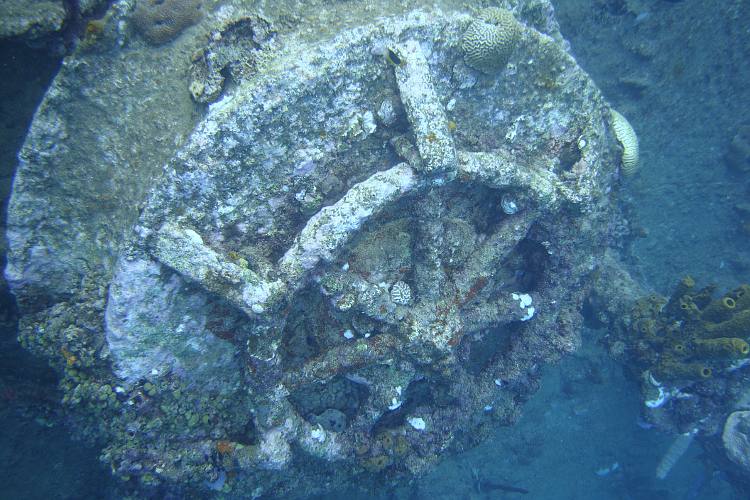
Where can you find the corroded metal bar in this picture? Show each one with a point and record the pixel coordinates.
(345, 357)
(491, 313)
(503, 170)
(429, 273)
(324, 234)
(487, 258)
(423, 108)
(183, 250)
(327, 231)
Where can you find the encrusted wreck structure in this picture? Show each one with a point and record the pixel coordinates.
(355, 262)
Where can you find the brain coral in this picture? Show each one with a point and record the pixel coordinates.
(626, 136)
(401, 293)
(160, 21)
(490, 39)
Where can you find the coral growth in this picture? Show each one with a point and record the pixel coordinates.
(161, 21)
(626, 136)
(491, 39)
(689, 352)
(401, 293)
(736, 439)
(231, 52)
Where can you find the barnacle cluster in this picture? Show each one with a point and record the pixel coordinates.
(491, 39)
(161, 21)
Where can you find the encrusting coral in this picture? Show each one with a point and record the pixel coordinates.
(161, 21)
(232, 52)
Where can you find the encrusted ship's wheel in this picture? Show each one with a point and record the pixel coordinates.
(362, 255)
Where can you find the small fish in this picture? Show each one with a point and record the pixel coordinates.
(605, 471)
(490, 486)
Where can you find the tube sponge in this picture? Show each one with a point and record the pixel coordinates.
(671, 370)
(736, 326)
(719, 310)
(722, 348)
(741, 296)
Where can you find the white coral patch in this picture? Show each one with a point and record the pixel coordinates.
(418, 423)
(529, 314)
(524, 299)
(524, 302)
(401, 293)
(318, 434)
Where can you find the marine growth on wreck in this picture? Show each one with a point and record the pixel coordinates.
(354, 263)
(687, 351)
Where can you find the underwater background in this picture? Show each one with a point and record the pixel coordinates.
(679, 71)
